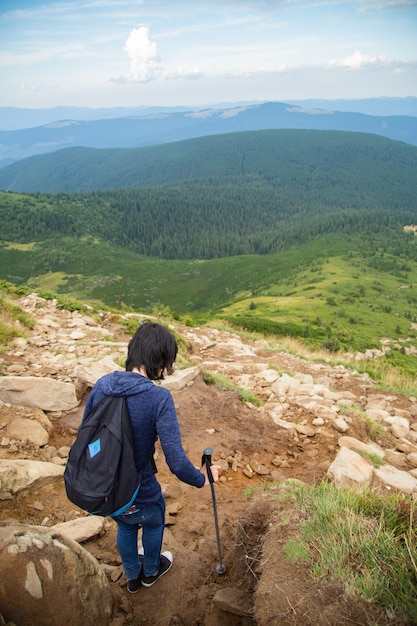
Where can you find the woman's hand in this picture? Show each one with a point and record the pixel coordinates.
(215, 469)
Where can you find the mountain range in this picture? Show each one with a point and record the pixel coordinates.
(170, 125)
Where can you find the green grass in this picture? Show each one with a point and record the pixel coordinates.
(365, 540)
(339, 298)
(13, 321)
(224, 383)
(326, 293)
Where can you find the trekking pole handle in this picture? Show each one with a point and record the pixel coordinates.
(206, 460)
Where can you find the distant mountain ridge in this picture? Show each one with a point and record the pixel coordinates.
(164, 126)
(16, 118)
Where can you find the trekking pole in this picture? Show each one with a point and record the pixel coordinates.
(206, 460)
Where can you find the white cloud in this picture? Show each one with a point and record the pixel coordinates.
(358, 60)
(143, 55)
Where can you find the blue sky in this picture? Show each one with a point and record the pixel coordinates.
(103, 53)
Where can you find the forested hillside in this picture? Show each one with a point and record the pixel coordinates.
(245, 193)
(285, 232)
(355, 165)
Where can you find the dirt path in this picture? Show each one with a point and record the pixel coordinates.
(238, 434)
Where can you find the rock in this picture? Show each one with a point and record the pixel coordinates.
(89, 374)
(318, 421)
(248, 471)
(269, 376)
(232, 600)
(397, 459)
(27, 430)
(396, 479)
(258, 467)
(173, 508)
(172, 490)
(80, 529)
(284, 424)
(49, 579)
(180, 378)
(305, 429)
(412, 459)
(340, 425)
(282, 386)
(45, 393)
(359, 446)
(349, 468)
(399, 430)
(20, 474)
(406, 446)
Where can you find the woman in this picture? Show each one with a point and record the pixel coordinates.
(151, 351)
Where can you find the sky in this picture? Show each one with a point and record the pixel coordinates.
(107, 53)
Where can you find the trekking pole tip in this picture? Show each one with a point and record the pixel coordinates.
(221, 569)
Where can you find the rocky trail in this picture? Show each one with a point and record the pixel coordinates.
(310, 425)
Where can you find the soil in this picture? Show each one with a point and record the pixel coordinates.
(259, 587)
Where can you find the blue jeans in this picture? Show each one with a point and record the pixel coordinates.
(152, 520)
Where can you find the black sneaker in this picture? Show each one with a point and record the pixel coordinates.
(164, 565)
(133, 586)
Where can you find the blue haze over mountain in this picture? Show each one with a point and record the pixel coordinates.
(140, 126)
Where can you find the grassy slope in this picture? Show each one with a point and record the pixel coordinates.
(324, 289)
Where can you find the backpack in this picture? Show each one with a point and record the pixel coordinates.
(100, 475)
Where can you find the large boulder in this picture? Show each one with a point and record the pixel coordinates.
(49, 579)
(20, 474)
(350, 469)
(45, 393)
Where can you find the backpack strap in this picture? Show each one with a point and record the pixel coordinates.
(128, 430)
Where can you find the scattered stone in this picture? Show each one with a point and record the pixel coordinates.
(172, 490)
(248, 471)
(173, 508)
(305, 429)
(340, 425)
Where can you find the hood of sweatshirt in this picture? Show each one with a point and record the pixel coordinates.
(122, 383)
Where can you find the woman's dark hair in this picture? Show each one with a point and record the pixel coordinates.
(154, 347)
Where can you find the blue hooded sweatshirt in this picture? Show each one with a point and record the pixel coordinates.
(152, 414)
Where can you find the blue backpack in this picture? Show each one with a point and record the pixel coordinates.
(101, 476)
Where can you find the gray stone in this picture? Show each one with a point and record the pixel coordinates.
(180, 378)
(49, 579)
(396, 479)
(45, 393)
(359, 446)
(349, 468)
(82, 528)
(18, 475)
(90, 373)
(232, 600)
(27, 430)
